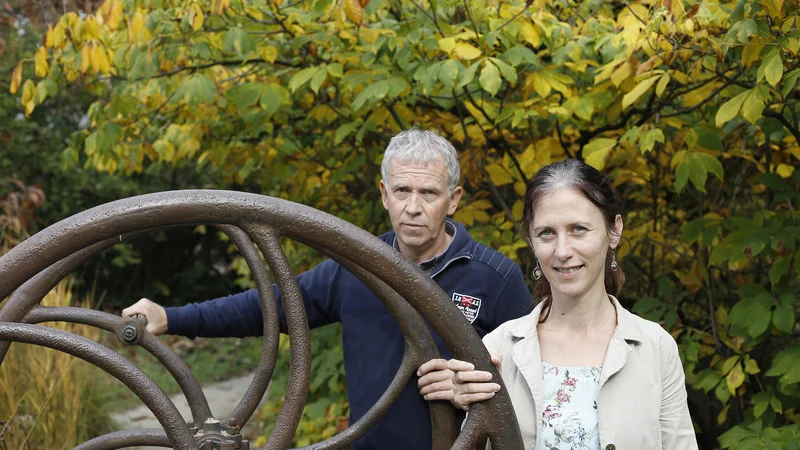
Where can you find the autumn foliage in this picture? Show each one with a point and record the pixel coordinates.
(690, 107)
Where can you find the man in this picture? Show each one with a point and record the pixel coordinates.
(419, 189)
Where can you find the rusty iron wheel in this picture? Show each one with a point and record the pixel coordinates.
(36, 265)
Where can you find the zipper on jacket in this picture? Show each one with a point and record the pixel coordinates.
(449, 262)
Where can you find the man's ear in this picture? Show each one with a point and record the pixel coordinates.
(455, 197)
(616, 233)
(384, 195)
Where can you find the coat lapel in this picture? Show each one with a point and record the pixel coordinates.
(625, 333)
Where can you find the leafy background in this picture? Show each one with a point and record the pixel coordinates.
(689, 106)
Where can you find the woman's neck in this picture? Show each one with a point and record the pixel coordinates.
(581, 314)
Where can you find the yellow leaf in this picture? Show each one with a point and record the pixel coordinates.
(40, 62)
(16, 78)
(48, 37)
(516, 210)
(662, 84)
(59, 35)
(28, 94)
(750, 53)
(221, 6)
(539, 84)
(137, 32)
(197, 20)
(466, 51)
(101, 57)
(530, 34)
(622, 72)
(91, 29)
(110, 14)
(595, 152)
(86, 58)
(735, 378)
(447, 44)
(499, 175)
(482, 204)
(773, 7)
(353, 11)
(95, 57)
(784, 170)
(269, 53)
(638, 91)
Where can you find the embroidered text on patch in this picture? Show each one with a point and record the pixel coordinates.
(468, 305)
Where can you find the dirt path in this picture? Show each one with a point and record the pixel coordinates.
(222, 398)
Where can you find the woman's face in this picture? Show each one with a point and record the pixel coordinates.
(570, 239)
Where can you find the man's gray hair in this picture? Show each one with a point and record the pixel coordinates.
(422, 146)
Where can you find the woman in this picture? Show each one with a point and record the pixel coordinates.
(582, 372)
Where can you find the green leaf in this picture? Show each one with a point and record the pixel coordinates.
(301, 78)
(345, 130)
(595, 152)
(729, 109)
(760, 403)
(490, 78)
(467, 76)
(789, 82)
(649, 139)
(711, 164)
(783, 317)
(787, 365)
(238, 42)
(448, 73)
(749, 27)
(771, 68)
(245, 95)
(318, 79)
(335, 70)
(691, 230)
(752, 314)
(753, 105)
(509, 73)
(198, 88)
(638, 91)
(397, 86)
(271, 99)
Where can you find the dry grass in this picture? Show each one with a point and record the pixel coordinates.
(49, 399)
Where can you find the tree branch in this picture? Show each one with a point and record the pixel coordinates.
(792, 129)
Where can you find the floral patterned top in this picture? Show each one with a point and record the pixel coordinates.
(569, 420)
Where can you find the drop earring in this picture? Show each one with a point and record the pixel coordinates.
(537, 271)
(613, 261)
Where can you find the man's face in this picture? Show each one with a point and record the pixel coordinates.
(417, 198)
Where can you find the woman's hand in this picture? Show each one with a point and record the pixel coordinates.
(470, 385)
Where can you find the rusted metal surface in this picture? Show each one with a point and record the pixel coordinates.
(152, 437)
(264, 220)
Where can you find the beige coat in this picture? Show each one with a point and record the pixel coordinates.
(642, 401)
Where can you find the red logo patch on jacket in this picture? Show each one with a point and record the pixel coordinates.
(468, 305)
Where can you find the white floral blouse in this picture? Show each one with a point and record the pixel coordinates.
(569, 420)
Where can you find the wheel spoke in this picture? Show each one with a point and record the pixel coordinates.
(177, 368)
(269, 311)
(297, 324)
(119, 367)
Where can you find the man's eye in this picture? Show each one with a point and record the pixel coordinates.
(579, 229)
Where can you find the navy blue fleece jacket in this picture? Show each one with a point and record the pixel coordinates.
(487, 286)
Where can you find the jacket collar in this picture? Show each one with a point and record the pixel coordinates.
(626, 324)
(460, 246)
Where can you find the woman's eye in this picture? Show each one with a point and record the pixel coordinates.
(546, 233)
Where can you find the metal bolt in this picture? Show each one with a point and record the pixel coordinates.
(130, 334)
(232, 427)
(211, 426)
